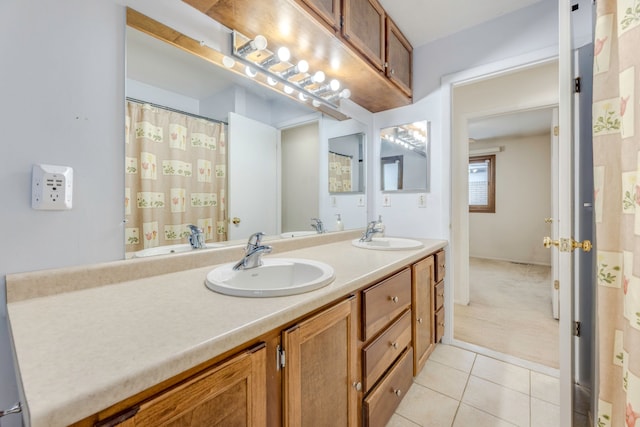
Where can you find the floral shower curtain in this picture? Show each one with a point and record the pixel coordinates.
(616, 150)
(176, 175)
(340, 169)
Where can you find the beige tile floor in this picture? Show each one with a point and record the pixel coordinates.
(461, 388)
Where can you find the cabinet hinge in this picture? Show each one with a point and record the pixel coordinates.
(341, 21)
(577, 84)
(280, 357)
(577, 329)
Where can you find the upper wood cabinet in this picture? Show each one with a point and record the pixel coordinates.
(399, 58)
(364, 24)
(327, 10)
(351, 33)
(321, 379)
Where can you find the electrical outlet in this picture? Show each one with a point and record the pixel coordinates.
(51, 187)
(386, 200)
(361, 201)
(333, 201)
(422, 200)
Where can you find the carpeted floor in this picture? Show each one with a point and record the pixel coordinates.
(510, 311)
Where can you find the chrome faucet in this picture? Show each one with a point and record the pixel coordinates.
(318, 225)
(253, 253)
(196, 238)
(374, 227)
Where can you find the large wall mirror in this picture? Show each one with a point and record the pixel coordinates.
(346, 164)
(241, 123)
(404, 157)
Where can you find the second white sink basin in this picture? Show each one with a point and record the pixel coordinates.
(276, 277)
(290, 234)
(388, 244)
(171, 249)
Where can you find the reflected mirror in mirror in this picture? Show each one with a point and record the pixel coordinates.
(404, 157)
(346, 164)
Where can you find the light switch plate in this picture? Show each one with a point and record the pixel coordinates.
(422, 200)
(386, 200)
(361, 201)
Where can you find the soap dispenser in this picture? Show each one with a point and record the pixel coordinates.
(380, 226)
(339, 224)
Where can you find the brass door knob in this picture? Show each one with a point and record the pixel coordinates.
(548, 220)
(235, 220)
(567, 245)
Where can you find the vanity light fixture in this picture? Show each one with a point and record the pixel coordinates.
(278, 67)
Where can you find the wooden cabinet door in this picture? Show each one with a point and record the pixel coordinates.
(327, 10)
(232, 394)
(399, 58)
(422, 282)
(320, 370)
(363, 28)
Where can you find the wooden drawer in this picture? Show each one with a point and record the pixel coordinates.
(440, 266)
(439, 296)
(383, 302)
(378, 355)
(381, 403)
(439, 325)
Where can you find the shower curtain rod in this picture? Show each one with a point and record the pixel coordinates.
(174, 110)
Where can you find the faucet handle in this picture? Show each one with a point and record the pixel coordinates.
(255, 240)
(194, 228)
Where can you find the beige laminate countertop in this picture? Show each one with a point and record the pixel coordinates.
(84, 350)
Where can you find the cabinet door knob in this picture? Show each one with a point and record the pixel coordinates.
(357, 385)
(420, 320)
(397, 392)
(394, 345)
(394, 299)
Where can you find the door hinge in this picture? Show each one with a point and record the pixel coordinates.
(280, 357)
(577, 329)
(577, 84)
(556, 284)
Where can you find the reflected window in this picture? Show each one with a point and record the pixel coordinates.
(482, 184)
(392, 169)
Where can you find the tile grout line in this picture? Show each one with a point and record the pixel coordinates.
(466, 384)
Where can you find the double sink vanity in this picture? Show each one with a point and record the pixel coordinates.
(145, 342)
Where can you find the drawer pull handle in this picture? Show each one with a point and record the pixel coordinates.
(397, 392)
(420, 320)
(357, 385)
(394, 299)
(394, 345)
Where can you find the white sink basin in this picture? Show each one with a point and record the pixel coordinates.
(170, 249)
(290, 234)
(388, 244)
(276, 277)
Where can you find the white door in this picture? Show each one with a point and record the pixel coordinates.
(253, 185)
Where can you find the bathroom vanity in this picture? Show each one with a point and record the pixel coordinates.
(143, 342)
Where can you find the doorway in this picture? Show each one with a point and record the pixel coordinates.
(530, 88)
(510, 308)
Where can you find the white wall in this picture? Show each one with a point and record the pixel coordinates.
(300, 181)
(62, 85)
(523, 199)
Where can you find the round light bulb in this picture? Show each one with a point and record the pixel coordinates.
(260, 42)
(288, 90)
(302, 97)
(318, 77)
(284, 54)
(346, 94)
(315, 103)
(228, 62)
(334, 85)
(250, 72)
(303, 66)
(272, 81)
